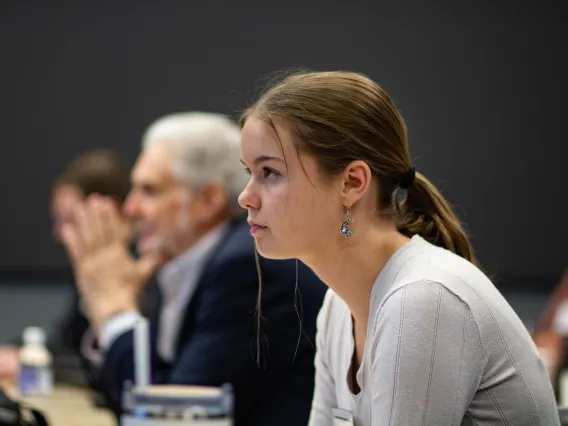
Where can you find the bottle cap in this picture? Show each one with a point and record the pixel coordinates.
(33, 335)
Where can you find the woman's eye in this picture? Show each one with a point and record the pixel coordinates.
(267, 172)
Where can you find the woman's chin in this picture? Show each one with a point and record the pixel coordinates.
(270, 250)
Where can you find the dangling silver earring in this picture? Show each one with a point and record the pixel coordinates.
(344, 228)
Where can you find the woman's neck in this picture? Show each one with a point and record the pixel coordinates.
(351, 267)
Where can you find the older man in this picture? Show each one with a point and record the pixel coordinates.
(207, 330)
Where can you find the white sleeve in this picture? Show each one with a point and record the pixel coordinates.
(117, 325)
(110, 330)
(428, 359)
(324, 399)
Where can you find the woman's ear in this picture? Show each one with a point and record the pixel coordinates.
(356, 182)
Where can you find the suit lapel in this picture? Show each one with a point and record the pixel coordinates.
(189, 317)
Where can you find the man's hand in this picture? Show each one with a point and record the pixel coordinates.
(108, 278)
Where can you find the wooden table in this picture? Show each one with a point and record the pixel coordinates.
(70, 406)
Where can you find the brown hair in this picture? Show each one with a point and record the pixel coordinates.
(96, 172)
(340, 117)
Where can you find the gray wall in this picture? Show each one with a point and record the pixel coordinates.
(32, 304)
(481, 84)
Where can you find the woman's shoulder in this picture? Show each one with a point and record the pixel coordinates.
(446, 270)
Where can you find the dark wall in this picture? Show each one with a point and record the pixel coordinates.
(482, 87)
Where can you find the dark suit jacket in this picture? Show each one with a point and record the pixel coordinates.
(218, 340)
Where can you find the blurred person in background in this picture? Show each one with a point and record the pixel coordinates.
(213, 326)
(551, 331)
(93, 172)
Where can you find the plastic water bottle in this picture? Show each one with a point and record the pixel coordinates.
(36, 375)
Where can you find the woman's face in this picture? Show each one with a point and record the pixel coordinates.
(294, 211)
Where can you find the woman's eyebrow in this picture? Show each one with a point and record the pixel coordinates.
(262, 159)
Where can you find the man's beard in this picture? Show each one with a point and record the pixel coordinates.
(166, 243)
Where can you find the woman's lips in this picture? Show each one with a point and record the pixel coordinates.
(256, 228)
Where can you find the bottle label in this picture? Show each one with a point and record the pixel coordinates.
(35, 380)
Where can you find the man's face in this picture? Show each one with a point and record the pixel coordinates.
(159, 206)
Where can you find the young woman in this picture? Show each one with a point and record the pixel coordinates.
(411, 331)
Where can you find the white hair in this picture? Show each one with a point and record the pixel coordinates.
(205, 148)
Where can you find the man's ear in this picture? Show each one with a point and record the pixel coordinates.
(212, 200)
(356, 181)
